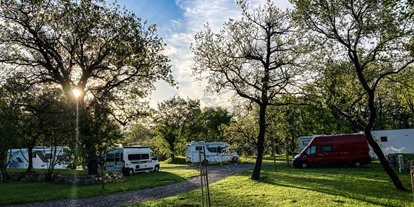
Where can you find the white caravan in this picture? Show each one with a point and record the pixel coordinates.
(131, 160)
(42, 157)
(395, 140)
(304, 141)
(215, 152)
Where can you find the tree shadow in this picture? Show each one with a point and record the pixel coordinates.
(355, 183)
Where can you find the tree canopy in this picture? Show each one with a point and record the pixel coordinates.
(255, 57)
(104, 51)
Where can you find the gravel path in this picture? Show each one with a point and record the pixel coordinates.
(215, 173)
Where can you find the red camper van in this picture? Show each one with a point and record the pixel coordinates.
(344, 149)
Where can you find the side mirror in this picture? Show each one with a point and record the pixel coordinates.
(155, 158)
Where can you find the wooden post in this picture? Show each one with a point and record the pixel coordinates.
(412, 178)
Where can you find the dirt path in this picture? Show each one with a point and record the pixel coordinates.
(216, 173)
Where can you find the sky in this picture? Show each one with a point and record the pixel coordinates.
(177, 22)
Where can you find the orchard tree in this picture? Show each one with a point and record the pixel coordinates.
(172, 121)
(9, 126)
(211, 124)
(139, 135)
(374, 37)
(102, 50)
(242, 133)
(253, 57)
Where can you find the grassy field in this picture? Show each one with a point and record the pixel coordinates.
(346, 186)
(28, 192)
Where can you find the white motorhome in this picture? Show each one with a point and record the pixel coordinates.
(395, 140)
(304, 141)
(215, 152)
(42, 157)
(131, 160)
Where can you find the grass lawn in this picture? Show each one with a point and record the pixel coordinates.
(17, 192)
(345, 186)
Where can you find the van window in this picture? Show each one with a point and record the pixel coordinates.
(145, 156)
(328, 148)
(152, 155)
(48, 156)
(33, 154)
(138, 157)
(305, 142)
(311, 150)
(117, 157)
(384, 139)
(212, 149)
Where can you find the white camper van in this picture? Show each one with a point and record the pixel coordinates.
(395, 140)
(304, 141)
(42, 157)
(132, 160)
(215, 152)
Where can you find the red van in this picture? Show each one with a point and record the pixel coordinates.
(344, 149)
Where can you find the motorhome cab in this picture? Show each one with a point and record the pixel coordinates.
(215, 152)
(346, 149)
(42, 157)
(132, 160)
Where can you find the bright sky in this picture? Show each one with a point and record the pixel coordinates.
(177, 22)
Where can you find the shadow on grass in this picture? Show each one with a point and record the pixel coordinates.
(39, 191)
(366, 184)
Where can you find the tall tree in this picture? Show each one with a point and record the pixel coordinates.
(211, 123)
(139, 135)
(373, 36)
(252, 57)
(103, 51)
(172, 120)
(9, 125)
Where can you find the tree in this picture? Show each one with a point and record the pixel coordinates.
(172, 120)
(374, 37)
(253, 57)
(9, 127)
(139, 135)
(242, 133)
(212, 122)
(105, 131)
(105, 52)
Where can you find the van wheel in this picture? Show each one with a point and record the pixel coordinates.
(235, 159)
(357, 163)
(156, 168)
(304, 164)
(131, 172)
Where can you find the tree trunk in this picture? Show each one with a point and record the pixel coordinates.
(4, 175)
(30, 159)
(92, 167)
(260, 143)
(394, 177)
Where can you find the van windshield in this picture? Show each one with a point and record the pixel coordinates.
(311, 150)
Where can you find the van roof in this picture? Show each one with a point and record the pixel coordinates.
(129, 147)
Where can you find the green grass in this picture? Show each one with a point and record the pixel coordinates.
(17, 192)
(266, 159)
(177, 162)
(366, 186)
